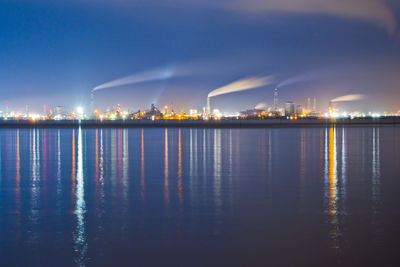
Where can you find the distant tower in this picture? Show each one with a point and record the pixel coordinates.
(308, 104)
(276, 99)
(315, 104)
(208, 107)
(7, 108)
(27, 109)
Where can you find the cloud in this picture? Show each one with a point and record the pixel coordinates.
(242, 85)
(376, 12)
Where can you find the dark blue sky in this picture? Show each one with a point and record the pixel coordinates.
(55, 53)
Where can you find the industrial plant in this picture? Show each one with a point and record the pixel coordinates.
(289, 110)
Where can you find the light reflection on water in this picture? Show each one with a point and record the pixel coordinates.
(112, 196)
(166, 173)
(80, 246)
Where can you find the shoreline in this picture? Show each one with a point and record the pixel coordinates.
(265, 123)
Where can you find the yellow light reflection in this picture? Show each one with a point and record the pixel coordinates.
(331, 186)
(332, 173)
(166, 186)
(180, 167)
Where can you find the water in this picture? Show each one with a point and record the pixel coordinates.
(281, 196)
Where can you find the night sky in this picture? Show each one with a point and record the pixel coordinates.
(56, 52)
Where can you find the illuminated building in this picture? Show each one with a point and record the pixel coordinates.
(60, 111)
(290, 109)
(299, 109)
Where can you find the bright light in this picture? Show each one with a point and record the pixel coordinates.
(79, 110)
(376, 115)
(334, 115)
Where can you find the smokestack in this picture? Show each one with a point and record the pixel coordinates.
(276, 99)
(315, 104)
(308, 104)
(208, 107)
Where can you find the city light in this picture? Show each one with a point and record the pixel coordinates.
(79, 111)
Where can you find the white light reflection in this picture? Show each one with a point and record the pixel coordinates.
(376, 184)
(376, 169)
(80, 243)
(230, 175)
(101, 164)
(204, 153)
(100, 184)
(58, 187)
(344, 166)
(217, 169)
(35, 186)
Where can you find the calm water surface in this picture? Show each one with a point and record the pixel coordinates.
(304, 196)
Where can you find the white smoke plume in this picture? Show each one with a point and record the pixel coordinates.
(147, 76)
(345, 98)
(196, 68)
(261, 106)
(242, 85)
(298, 79)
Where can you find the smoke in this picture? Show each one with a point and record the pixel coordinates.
(147, 76)
(197, 68)
(346, 98)
(335, 72)
(299, 79)
(261, 105)
(242, 85)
